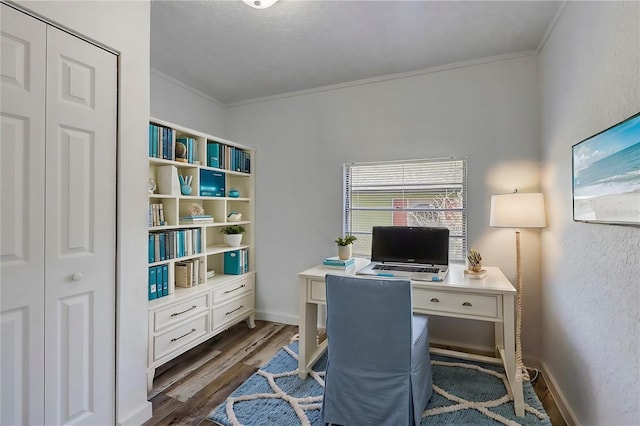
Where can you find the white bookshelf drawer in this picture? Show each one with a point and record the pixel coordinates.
(233, 289)
(233, 310)
(174, 314)
(458, 303)
(181, 336)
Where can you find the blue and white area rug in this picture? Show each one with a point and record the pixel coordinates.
(465, 392)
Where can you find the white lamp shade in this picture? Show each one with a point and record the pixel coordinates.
(518, 210)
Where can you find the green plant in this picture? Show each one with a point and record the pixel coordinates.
(233, 229)
(346, 240)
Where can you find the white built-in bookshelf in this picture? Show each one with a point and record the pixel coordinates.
(202, 285)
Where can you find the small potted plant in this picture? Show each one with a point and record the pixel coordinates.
(345, 245)
(233, 234)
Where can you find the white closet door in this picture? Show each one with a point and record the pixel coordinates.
(80, 232)
(22, 151)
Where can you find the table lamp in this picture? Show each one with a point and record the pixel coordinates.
(518, 210)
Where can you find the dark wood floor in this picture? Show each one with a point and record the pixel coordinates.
(187, 388)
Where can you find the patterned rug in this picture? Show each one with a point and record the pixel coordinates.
(465, 393)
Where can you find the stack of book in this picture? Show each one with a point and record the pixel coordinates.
(195, 220)
(187, 273)
(336, 263)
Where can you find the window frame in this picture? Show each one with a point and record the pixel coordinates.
(459, 166)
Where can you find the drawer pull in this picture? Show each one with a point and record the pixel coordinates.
(236, 309)
(435, 300)
(467, 304)
(184, 335)
(175, 314)
(234, 289)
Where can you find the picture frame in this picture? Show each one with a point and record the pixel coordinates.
(606, 175)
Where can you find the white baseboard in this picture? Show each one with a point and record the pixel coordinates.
(566, 412)
(277, 317)
(139, 416)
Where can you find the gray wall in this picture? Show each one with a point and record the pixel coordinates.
(177, 103)
(486, 112)
(590, 75)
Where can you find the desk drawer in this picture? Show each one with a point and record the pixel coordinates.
(317, 291)
(180, 336)
(178, 312)
(464, 305)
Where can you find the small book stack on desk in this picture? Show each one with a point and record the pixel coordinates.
(335, 262)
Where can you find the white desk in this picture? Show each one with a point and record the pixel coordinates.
(488, 299)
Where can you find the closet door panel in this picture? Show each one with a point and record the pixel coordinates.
(22, 153)
(80, 231)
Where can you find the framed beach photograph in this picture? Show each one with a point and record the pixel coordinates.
(606, 175)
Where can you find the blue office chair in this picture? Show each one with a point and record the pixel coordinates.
(379, 369)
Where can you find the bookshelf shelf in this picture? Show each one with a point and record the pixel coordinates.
(183, 256)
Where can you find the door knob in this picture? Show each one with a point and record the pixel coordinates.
(77, 276)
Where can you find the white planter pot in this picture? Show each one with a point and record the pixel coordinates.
(344, 252)
(233, 240)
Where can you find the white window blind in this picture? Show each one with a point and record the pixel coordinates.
(406, 193)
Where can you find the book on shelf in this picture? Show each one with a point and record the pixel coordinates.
(187, 273)
(192, 148)
(152, 283)
(228, 157)
(165, 280)
(175, 243)
(156, 215)
(162, 142)
(213, 154)
(236, 262)
(196, 219)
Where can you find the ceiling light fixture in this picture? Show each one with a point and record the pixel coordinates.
(260, 4)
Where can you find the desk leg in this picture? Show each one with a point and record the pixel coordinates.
(499, 338)
(307, 331)
(510, 354)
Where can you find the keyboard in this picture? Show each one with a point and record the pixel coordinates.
(406, 268)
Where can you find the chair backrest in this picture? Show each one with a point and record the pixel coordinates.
(369, 322)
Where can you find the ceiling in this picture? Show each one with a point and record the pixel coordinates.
(232, 52)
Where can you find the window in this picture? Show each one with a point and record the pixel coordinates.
(406, 193)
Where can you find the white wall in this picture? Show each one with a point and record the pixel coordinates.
(123, 27)
(173, 101)
(590, 76)
(487, 112)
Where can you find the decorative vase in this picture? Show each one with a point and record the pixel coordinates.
(476, 268)
(344, 252)
(233, 240)
(234, 217)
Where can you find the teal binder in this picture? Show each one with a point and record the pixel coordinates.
(213, 156)
(152, 283)
(165, 280)
(232, 263)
